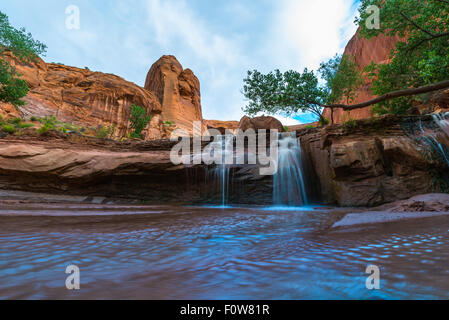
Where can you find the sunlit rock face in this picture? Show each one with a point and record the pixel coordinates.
(84, 98)
(178, 92)
(364, 51)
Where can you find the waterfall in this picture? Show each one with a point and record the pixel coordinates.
(442, 120)
(288, 183)
(220, 174)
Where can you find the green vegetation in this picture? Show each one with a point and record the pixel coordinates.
(139, 120)
(12, 125)
(350, 124)
(422, 59)
(104, 132)
(168, 123)
(342, 79)
(293, 91)
(26, 49)
(25, 125)
(9, 128)
(15, 121)
(286, 129)
(45, 128)
(50, 123)
(310, 127)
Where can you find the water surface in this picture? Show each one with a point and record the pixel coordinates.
(212, 253)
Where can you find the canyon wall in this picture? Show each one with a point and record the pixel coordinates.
(364, 51)
(95, 99)
(376, 162)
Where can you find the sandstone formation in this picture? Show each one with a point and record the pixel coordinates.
(178, 92)
(375, 163)
(94, 99)
(85, 98)
(258, 123)
(364, 51)
(74, 165)
(222, 126)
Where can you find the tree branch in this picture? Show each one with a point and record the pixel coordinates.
(391, 95)
(416, 25)
(436, 36)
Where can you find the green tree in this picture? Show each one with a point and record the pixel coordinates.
(139, 120)
(342, 78)
(285, 93)
(419, 65)
(26, 49)
(420, 58)
(292, 91)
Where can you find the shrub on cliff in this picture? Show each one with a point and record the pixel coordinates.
(104, 132)
(26, 49)
(9, 128)
(139, 120)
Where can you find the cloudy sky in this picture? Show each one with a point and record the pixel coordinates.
(219, 40)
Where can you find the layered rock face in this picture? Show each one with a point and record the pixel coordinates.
(177, 90)
(85, 98)
(364, 51)
(370, 165)
(95, 99)
(74, 165)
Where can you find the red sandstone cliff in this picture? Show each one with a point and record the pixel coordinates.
(94, 99)
(178, 91)
(364, 51)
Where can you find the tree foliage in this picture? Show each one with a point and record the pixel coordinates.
(292, 91)
(26, 49)
(420, 58)
(419, 65)
(139, 120)
(342, 79)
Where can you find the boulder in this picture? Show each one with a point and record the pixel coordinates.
(260, 123)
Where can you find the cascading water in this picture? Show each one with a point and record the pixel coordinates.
(289, 183)
(442, 120)
(220, 174)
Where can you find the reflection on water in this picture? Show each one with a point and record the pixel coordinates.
(206, 253)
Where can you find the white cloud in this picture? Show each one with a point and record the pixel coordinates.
(308, 32)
